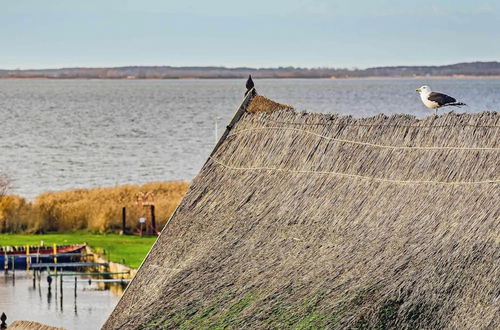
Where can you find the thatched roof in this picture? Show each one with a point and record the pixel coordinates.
(30, 325)
(315, 220)
(263, 104)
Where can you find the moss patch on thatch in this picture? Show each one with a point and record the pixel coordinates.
(233, 312)
(287, 228)
(261, 103)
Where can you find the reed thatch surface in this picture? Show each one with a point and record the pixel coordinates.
(314, 220)
(263, 104)
(30, 325)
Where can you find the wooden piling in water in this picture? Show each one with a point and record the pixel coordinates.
(13, 266)
(28, 258)
(49, 281)
(6, 262)
(54, 247)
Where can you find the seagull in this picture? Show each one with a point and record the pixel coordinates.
(434, 100)
(249, 84)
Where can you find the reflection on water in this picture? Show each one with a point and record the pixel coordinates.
(73, 303)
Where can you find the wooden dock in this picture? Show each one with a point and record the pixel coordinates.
(68, 265)
(35, 255)
(103, 280)
(90, 274)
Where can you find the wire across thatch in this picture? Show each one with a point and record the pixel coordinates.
(396, 228)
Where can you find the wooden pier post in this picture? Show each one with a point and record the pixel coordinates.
(153, 219)
(13, 266)
(124, 220)
(28, 259)
(54, 248)
(49, 281)
(5, 262)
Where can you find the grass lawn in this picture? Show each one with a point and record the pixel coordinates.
(128, 250)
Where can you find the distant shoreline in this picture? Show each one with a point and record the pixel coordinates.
(458, 70)
(227, 78)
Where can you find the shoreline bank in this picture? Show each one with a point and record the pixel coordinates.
(238, 78)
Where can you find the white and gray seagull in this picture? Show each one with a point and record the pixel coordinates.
(435, 100)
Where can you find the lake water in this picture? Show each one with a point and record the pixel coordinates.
(57, 135)
(85, 308)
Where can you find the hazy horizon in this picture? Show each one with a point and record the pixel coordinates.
(301, 33)
(233, 67)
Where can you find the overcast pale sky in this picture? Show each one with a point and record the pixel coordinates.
(256, 33)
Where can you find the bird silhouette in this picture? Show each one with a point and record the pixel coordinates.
(249, 85)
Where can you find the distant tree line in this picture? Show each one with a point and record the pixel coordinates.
(169, 72)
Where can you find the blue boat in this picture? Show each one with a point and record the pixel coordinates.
(21, 256)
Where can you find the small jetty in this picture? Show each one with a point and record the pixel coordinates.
(51, 268)
(68, 265)
(78, 259)
(29, 256)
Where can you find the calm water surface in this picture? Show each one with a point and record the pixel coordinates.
(57, 135)
(87, 307)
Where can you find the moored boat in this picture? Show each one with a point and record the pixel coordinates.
(22, 255)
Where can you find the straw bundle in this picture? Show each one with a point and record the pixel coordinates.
(313, 220)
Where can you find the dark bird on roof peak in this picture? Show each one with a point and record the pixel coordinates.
(249, 85)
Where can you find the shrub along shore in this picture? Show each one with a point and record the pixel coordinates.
(97, 210)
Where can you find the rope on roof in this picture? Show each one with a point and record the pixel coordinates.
(355, 176)
(378, 125)
(328, 138)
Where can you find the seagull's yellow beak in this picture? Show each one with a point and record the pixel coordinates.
(418, 89)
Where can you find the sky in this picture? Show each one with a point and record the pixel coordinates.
(255, 33)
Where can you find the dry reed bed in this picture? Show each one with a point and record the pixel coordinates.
(96, 210)
(328, 250)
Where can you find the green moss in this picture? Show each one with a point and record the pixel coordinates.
(306, 315)
(215, 316)
(388, 314)
(227, 312)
